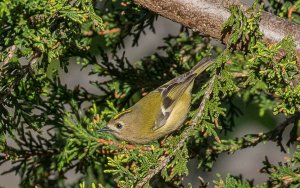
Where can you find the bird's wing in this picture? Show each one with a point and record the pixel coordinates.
(170, 93)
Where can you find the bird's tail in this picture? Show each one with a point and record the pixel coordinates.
(202, 65)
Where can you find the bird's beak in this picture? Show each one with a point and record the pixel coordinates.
(104, 129)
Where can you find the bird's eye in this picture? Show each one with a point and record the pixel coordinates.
(119, 125)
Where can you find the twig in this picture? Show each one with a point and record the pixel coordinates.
(10, 54)
(276, 134)
(251, 140)
(27, 68)
(104, 32)
(205, 98)
(122, 146)
(291, 10)
(164, 160)
(34, 58)
(109, 31)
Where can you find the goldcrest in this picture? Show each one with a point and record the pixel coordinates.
(160, 112)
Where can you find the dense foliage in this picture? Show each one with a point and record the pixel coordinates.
(48, 128)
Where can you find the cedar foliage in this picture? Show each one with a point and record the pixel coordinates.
(47, 130)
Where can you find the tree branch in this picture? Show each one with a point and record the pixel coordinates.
(208, 17)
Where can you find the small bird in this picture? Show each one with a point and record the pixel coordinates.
(160, 112)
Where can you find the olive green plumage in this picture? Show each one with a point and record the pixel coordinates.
(160, 112)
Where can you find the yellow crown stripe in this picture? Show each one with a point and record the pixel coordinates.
(122, 113)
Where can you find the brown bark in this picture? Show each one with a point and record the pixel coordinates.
(208, 17)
